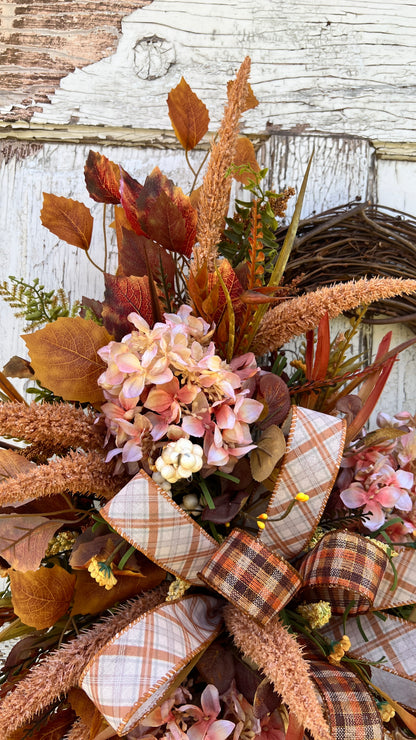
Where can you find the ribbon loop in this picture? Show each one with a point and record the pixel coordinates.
(352, 711)
(145, 515)
(344, 567)
(133, 672)
(313, 455)
(251, 577)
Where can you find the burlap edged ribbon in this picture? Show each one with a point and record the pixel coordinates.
(251, 573)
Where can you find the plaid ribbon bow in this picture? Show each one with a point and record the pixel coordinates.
(252, 573)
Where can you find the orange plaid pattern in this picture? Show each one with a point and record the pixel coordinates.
(351, 710)
(250, 576)
(343, 567)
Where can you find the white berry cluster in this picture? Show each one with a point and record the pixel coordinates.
(179, 459)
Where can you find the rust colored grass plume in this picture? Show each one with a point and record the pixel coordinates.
(215, 190)
(61, 670)
(58, 425)
(78, 472)
(299, 315)
(279, 657)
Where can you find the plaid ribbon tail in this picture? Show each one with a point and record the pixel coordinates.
(310, 465)
(133, 672)
(350, 709)
(390, 640)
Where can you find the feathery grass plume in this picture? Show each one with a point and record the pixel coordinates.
(78, 731)
(55, 425)
(279, 656)
(299, 315)
(61, 670)
(78, 472)
(215, 190)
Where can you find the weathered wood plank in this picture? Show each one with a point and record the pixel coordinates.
(43, 41)
(337, 69)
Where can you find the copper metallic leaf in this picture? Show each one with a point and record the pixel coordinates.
(24, 540)
(124, 295)
(68, 219)
(41, 597)
(102, 178)
(188, 114)
(64, 357)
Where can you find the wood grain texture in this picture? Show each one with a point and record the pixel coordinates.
(42, 41)
(323, 67)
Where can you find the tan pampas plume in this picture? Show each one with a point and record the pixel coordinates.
(58, 425)
(215, 190)
(61, 670)
(279, 657)
(78, 472)
(298, 315)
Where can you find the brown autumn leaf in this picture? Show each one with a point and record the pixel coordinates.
(89, 544)
(64, 357)
(68, 219)
(188, 114)
(273, 392)
(124, 295)
(130, 190)
(132, 258)
(90, 598)
(42, 596)
(102, 178)
(55, 727)
(251, 100)
(81, 704)
(18, 367)
(270, 449)
(24, 540)
(12, 464)
(160, 210)
(245, 155)
(166, 214)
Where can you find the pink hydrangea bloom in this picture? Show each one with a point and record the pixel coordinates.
(168, 381)
(383, 490)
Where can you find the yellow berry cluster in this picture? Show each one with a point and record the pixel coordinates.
(339, 650)
(102, 573)
(316, 614)
(62, 542)
(387, 712)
